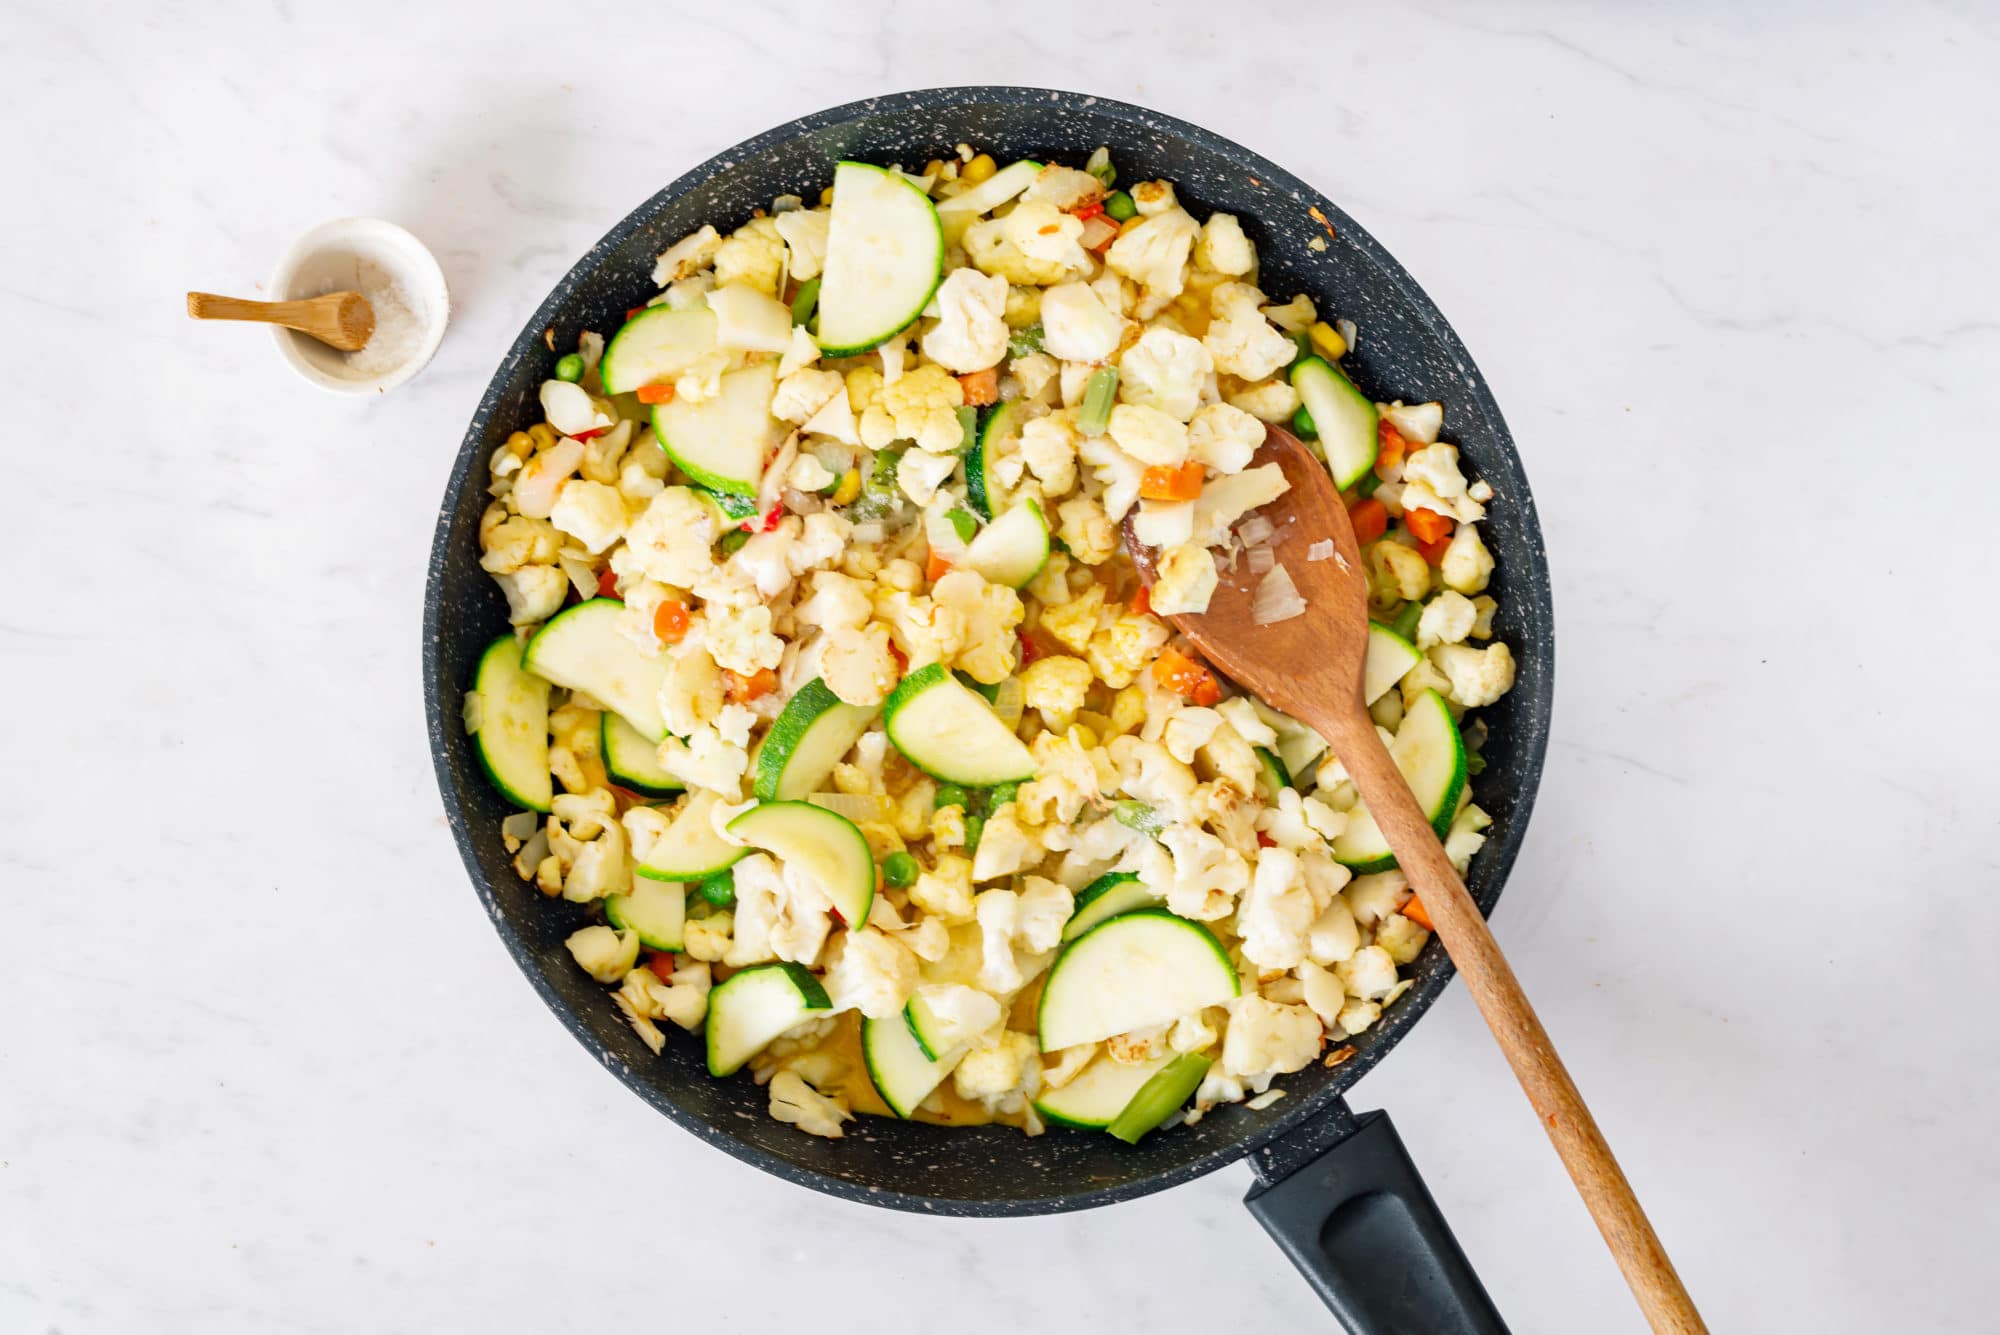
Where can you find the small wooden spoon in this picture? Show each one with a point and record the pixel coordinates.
(342, 320)
(1310, 667)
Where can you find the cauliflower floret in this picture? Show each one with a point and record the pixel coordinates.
(1062, 187)
(1154, 253)
(1368, 973)
(1375, 896)
(1467, 565)
(1037, 370)
(803, 393)
(1192, 1033)
(1276, 916)
(970, 334)
(1418, 423)
(1187, 580)
(859, 666)
(534, 593)
(990, 612)
(1116, 471)
(747, 320)
(1478, 676)
(999, 915)
(1139, 1046)
(740, 639)
(1207, 875)
(754, 254)
(805, 232)
(1165, 369)
(1164, 523)
(1073, 623)
(1227, 499)
(1432, 481)
(686, 257)
(808, 474)
(1004, 847)
(1295, 316)
(1149, 773)
(604, 953)
(922, 406)
(1358, 1016)
(708, 938)
(961, 1013)
(1068, 776)
(1446, 619)
(1001, 1073)
(1044, 910)
(1019, 249)
(1149, 435)
(1224, 438)
(944, 891)
(1222, 248)
(1188, 730)
(706, 760)
(1242, 342)
(1272, 401)
(691, 691)
(1057, 686)
(926, 631)
(795, 1102)
(1266, 1038)
(508, 542)
(874, 973)
(589, 844)
(590, 512)
(1120, 652)
(1048, 448)
(671, 542)
(1401, 569)
(1403, 939)
(1077, 327)
(1087, 531)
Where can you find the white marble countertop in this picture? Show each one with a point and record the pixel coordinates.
(265, 1066)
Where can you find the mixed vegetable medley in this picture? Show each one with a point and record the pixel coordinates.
(833, 690)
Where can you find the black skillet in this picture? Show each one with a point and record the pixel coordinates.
(1334, 1188)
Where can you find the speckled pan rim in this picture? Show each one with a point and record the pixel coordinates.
(1532, 727)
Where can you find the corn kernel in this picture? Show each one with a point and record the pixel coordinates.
(849, 488)
(1082, 736)
(520, 444)
(1130, 223)
(933, 169)
(979, 169)
(1326, 341)
(826, 195)
(543, 435)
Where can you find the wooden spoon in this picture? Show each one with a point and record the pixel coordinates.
(341, 320)
(1310, 667)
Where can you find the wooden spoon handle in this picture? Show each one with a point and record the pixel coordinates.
(1526, 1044)
(209, 306)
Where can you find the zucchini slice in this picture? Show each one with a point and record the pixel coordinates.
(1106, 897)
(582, 648)
(1013, 548)
(950, 733)
(656, 910)
(691, 850)
(1093, 1100)
(903, 1072)
(1273, 775)
(722, 442)
(824, 844)
(1160, 1097)
(1431, 755)
(755, 1006)
(1000, 429)
(1138, 969)
(513, 736)
(632, 761)
(1390, 657)
(808, 739)
(656, 344)
(884, 259)
(1344, 417)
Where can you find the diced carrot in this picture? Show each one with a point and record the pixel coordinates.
(1414, 911)
(981, 387)
(902, 659)
(744, 689)
(1265, 840)
(1031, 649)
(1086, 211)
(661, 962)
(1428, 526)
(607, 584)
(1434, 551)
(1142, 601)
(670, 621)
(1370, 519)
(1172, 484)
(657, 392)
(1389, 449)
(632, 311)
(1179, 673)
(935, 568)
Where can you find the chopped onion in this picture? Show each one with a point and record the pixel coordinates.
(857, 807)
(1320, 550)
(521, 825)
(1009, 699)
(531, 855)
(787, 204)
(1096, 232)
(868, 534)
(942, 536)
(470, 713)
(581, 577)
(1348, 333)
(773, 481)
(1265, 1100)
(1276, 599)
(1260, 559)
(1255, 529)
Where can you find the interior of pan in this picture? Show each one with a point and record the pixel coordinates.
(1405, 350)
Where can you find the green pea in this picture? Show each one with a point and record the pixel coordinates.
(899, 870)
(732, 540)
(570, 368)
(950, 795)
(1000, 794)
(974, 827)
(720, 889)
(1118, 207)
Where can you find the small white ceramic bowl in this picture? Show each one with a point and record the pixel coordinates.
(402, 280)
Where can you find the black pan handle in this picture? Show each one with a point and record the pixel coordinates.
(1342, 1198)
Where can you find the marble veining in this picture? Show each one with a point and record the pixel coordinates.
(1728, 275)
